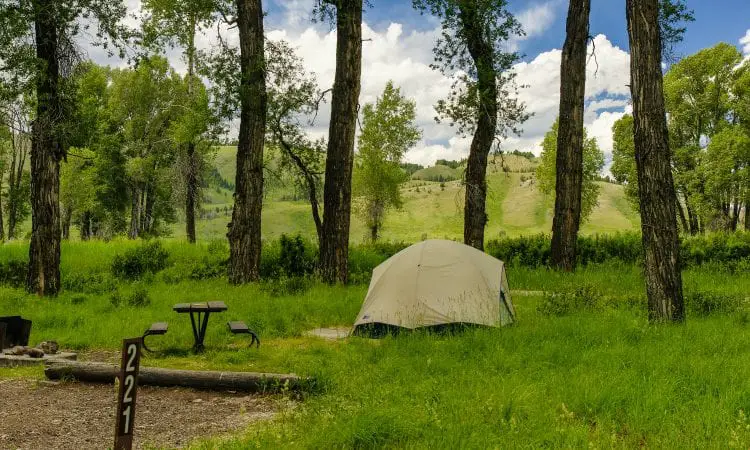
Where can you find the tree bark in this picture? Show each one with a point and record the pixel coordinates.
(569, 177)
(135, 213)
(244, 230)
(747, 215)
(191, 183)
(15, 179)
(482, 53)
(67, 217)
(661, 241)
(2, 224)
(85, 230)
(47, 151)
(337, 191)
(191, 180)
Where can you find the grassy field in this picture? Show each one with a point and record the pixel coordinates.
(595, 375)
(430, 210)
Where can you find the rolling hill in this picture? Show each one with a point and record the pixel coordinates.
(514, 206)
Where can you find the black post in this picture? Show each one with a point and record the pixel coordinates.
(125, 419)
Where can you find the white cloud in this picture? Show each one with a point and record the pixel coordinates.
(745, 42)
(404, 56)
(537, 19)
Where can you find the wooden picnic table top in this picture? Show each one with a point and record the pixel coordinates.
(200, 307)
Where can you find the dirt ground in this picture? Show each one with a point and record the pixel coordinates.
(45, 415)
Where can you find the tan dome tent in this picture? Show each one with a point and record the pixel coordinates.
(436, 283)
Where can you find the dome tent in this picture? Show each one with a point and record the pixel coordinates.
(436, 283)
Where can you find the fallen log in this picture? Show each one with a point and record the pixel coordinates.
(151, 376)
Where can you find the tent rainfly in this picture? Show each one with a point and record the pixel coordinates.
(436, 283)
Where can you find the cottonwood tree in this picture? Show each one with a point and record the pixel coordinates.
(244, 229)
(592, 162)
(623, 158)
(661, 242)
(37, 52)
(337, 191)
(141, 105)
(482, 101)
(570, 138)
(388, 132)
(293, 101)
(15, 117)
(170, 23)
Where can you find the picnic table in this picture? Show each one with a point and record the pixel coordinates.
(197, 310)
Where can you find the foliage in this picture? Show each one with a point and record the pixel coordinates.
(731, 252)
(13, 272)
(150, 257)
(673, 14)
(456, 56)
(388, 132)
(593, 163)
(623, 158)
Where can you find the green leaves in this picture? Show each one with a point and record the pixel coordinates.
(388, 132)
(593, 162)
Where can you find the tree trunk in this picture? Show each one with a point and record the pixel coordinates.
(692, 218)
(18, 161)
(661, 241)
(482, 53)
(135, 213)
(747, 215)
(191, 194)
(244, 230)
(191, 181)
(2, 224)
(310, 179)
(149, 201)
(47, 151)
(337, 192)
(67, 217)
(569, 181)
(86, 226)
(681, 215)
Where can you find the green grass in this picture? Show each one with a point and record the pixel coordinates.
(435, 172)
(602, 378)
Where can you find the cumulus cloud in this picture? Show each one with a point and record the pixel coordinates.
(745, 42)
(401, 54)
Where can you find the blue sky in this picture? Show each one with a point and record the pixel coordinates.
(402, 40)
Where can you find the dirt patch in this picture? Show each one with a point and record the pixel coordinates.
(36, 415)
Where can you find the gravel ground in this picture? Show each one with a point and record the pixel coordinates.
(45, 415)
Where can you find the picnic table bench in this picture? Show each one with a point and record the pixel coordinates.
(196, 311)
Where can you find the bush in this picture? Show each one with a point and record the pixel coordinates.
(580, 298)
(139, 297)
(92, 283)
(13, 273)
(150, 258)
(288, 257)
(706, 303)
(728, 251)
(278, 287)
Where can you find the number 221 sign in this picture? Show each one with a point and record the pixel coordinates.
(131, 357)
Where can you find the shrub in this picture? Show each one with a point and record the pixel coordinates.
(278, 287)
(580, 298)
(91, 283)
(706, 303)
(139, 297)
(288, 257)
(150, 257)
(78, 299)
(13, 273)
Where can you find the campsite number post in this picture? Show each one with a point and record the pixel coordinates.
(125, 420)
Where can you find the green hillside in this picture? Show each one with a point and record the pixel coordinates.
(514, 206)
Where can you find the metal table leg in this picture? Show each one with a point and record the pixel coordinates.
(199, 329)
